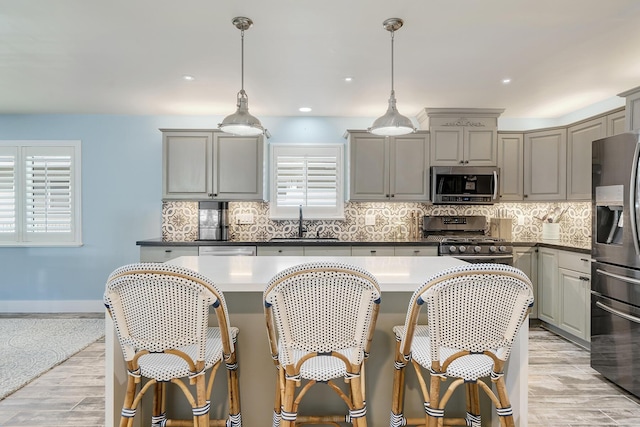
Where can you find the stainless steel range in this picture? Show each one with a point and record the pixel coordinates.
(464, 237)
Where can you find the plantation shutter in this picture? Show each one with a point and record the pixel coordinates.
(8, 184)
(49, 192)
(307, 180)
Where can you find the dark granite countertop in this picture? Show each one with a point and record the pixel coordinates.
(575, 246)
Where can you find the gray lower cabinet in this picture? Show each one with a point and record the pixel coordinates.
(548, 285)
(564, 285)
(165, 253)
(574, 281)
(280, 251)
(526, 259)
(372, 251)
(211, 165)
(388, 168)
(415, 251)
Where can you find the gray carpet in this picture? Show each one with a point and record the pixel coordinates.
(30, 347)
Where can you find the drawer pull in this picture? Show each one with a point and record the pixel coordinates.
(586, 279)
(168, 250)
(417, 251)
(373, 251)
(584, 260)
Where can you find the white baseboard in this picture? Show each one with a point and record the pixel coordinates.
(52, 306)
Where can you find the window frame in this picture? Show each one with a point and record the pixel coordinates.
(22, 149)
(310, 212)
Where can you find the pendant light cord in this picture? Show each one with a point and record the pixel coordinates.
(242, 61)
(392, 38)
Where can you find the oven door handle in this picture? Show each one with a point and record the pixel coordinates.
(619, 277)
(618, 313)
(481, 256)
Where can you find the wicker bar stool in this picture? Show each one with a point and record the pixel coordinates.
(161, 314)
(474, 313)
(320, 320)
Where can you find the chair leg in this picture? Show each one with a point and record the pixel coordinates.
(201, 412)
(434, 401)
(128, 401)
(505, 412)
(234, 396)
(277, 401)
(473, 405)
(158, 414)
(357, 400)
(287, 413)
(397, 405)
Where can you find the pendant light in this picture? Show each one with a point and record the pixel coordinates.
(242, 122)
(392, 122)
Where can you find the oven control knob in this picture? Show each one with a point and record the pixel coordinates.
(476, 249)
(462, 249)
(452, 249)
(502, 249)
(492, 248)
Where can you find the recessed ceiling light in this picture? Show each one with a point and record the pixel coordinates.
(348, 79)
(304, 109)
(506, 81)
(188, 77)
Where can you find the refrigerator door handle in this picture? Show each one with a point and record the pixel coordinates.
(618, 313)
(619, 277)
(634, 211)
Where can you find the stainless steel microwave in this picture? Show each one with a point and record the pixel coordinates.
(464, 185)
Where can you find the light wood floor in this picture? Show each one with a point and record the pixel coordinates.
(563, 391)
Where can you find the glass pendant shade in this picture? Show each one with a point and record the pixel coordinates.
(242, 122)
(392, 123)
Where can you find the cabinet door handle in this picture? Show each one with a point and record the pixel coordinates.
(586, 279)
(393, 195)
(466, 162)
(210, 194)
(461, 162)
(386, 195)
(168, 250)
(584, 260)
(526, 195)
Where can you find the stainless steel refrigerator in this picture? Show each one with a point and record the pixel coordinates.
(615, 270)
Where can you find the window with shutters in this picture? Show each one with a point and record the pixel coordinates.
(40, 193)
(310, 176)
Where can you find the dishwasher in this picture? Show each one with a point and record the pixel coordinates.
(227, 250)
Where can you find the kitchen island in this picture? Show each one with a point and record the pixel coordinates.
(243, 279)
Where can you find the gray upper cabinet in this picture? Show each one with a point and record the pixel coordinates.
(211, 165)
(388, 168)
(616, 123)
(579, 139)
(462, 137)
(511, 164)
(632, 119)
(545, 165)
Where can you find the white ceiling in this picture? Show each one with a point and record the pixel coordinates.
(129, 56)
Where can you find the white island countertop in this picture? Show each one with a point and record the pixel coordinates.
(251, 274)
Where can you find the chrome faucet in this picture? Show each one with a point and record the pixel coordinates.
(301, 229)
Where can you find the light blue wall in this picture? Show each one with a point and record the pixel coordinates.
(121, 194)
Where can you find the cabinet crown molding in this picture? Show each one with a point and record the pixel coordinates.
(463, 121)
(425, 114)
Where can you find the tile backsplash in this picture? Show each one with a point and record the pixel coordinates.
(392, 220)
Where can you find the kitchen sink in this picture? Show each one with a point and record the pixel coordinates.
(304, 239)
